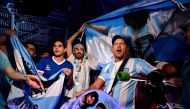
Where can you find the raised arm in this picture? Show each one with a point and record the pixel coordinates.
(72, 38)
(101, 29)
(96, 85)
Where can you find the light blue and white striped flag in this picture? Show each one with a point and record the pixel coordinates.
(26, 98)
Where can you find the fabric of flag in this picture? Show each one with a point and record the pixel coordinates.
(170, 48)
(22, 96)
(99, 45)
(106, 99)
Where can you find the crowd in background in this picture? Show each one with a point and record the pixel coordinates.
(170, 85)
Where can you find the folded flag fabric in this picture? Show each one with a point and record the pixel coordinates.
(22, 96)
(99, 45)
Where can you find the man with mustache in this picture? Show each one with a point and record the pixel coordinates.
(76, 55)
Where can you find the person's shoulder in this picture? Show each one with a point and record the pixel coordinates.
(71, 57)
(68, 62)
(1, 52)
(136, 59)
(3, 55)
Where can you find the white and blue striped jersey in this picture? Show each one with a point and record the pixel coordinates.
(124, 91)
(81, 75)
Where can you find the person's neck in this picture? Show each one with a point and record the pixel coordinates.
(59, 58)
(119, 59)
(79, 58)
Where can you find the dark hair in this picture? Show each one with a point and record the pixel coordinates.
(58, 40)
(101, 105)
(31, 43)
(52, 42)
(95, 95)
(137, 19)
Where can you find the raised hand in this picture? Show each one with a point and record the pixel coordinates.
(10, 32)
(81, 29)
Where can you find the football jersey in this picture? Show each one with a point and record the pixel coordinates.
(124, 91)
(49, 66)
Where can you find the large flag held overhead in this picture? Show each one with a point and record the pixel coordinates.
(160, 11)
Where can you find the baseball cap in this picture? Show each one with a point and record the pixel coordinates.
(120, 37)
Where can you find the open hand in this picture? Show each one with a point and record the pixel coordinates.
(10, 32)
(34, 82)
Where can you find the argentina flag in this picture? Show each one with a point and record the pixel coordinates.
(99, 44)
(21, 96)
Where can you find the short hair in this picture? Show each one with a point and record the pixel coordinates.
(58, 40)
(32, 43)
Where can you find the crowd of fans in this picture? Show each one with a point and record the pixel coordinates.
(163, 76)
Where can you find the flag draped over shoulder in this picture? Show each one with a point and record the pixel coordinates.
(21, 95)
(99, 45)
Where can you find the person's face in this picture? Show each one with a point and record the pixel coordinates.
(90, 99)
(187, 35)
(58, 49)
(78, 52)
(31, 49)
(119, 49)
